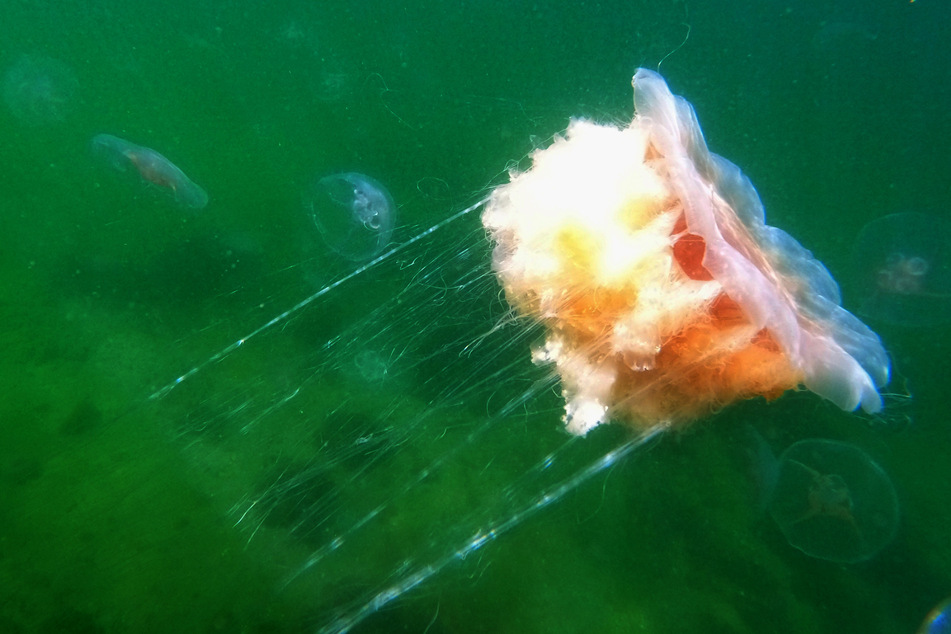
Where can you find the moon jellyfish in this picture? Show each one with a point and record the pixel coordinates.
(833, 502)
(663, 293)
(151, 167)
(354, 213)
(39, 90)
(903, 264)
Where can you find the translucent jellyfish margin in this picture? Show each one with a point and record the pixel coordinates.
(664, 294)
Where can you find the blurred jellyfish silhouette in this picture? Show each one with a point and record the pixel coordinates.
(39, 90)
(354, 213)
(938, 620)
(902, 262)
(762, 466)
(833, 502)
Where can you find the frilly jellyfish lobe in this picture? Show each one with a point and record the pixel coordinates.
(833, 502)
(354, 213)
(39, 90)
(903, 264)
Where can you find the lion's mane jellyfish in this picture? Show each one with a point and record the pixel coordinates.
(39, 90)
(833, 502)
(354, 214)
(663, 293)
(151, 167)
(903, 264)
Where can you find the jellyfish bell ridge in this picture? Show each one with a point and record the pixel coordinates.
(642, 250)
(760, 266)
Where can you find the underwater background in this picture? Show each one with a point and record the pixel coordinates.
(121, 507)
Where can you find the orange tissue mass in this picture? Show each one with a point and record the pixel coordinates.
(663, 293)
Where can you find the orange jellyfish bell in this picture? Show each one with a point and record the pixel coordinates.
(663, 293)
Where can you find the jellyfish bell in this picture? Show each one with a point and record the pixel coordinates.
(663, 293)
(354, 214)
(833, 502)
(902, 263)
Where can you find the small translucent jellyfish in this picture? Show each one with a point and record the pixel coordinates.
(150, 166)
(833, 502)
(903, 264)
(353, 212)
(39, 90)
(664, 294)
